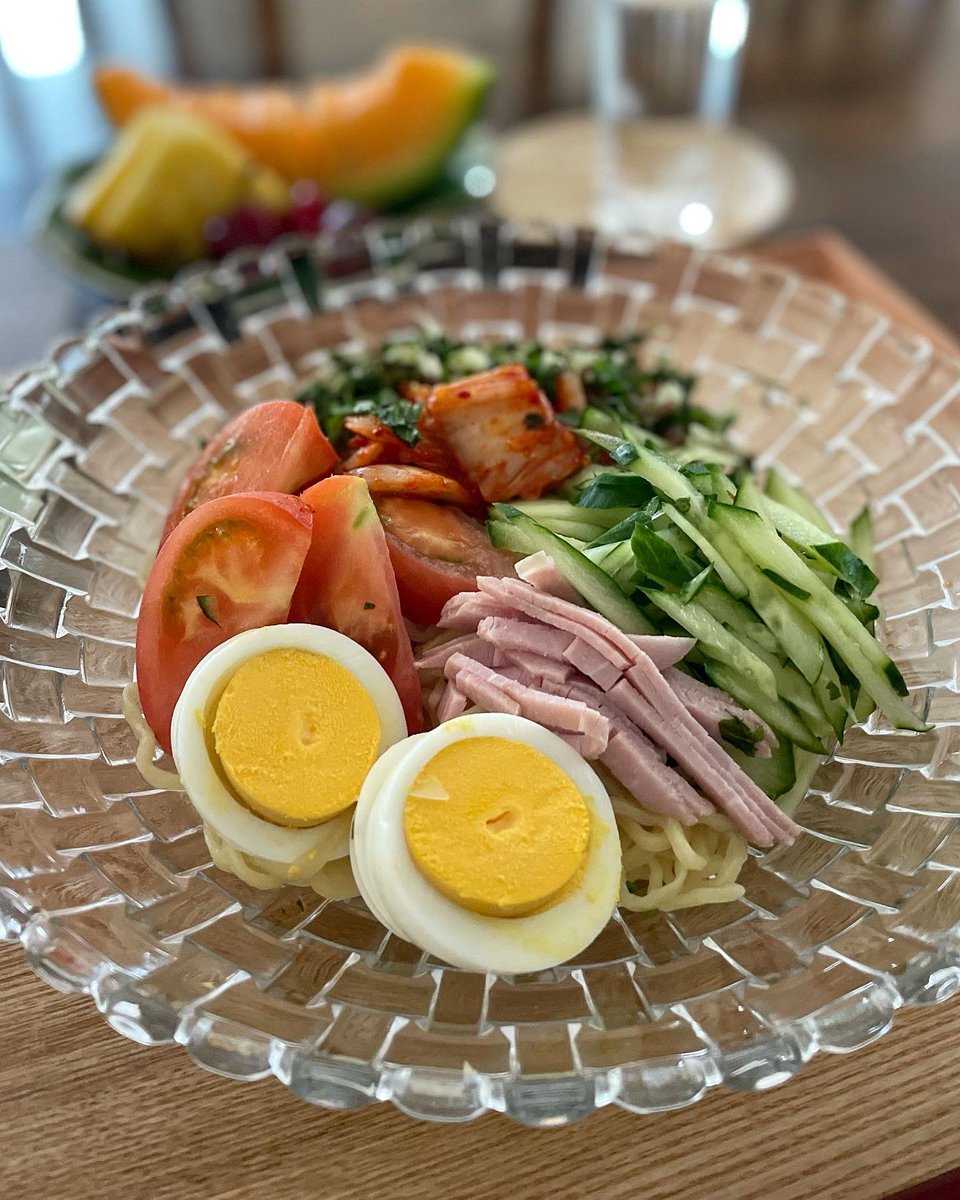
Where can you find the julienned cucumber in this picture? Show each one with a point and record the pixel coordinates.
(839, 559)
(785, 493)
(824, 609)
(775, 775)
(729, 577)
(511, 529)
(716, 641)
(861, 537)
(779, 716)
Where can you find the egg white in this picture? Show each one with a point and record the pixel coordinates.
(214, 801)
(408, 904)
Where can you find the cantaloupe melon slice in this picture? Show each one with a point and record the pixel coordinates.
(377, 138)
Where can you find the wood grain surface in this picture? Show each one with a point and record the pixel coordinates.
(86, 1115)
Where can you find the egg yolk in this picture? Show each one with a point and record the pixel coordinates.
(497, 827)
(295, 734)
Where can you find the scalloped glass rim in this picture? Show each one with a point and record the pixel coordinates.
(108, 885)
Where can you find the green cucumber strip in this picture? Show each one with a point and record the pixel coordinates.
(809, 538)
(622, 452)
(785, 585)
(598, 421)
(861, 537)
(775, 775)
(716, 641)
(738, 617)
(798, 639)
(730, 579)
(552, 509)
(806, 767)
(785, 493)
(863, 707)
(861, 653)
(591, 581)
(794, 689)
(774, 712)
(623, 530)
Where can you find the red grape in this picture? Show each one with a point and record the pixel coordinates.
(307, 208)
(247, 225)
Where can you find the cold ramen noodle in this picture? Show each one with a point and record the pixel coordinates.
(499, 637)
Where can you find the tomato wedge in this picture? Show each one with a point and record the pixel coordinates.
(231, 565)
(348, 584)
(273, 447)
(437, 552)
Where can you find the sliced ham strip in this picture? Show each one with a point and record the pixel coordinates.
(689, 751)
(656, 785)
(452, 704)
(507, 633)
(467, 610)
(663, 651)
(651, 684)
(553, 711)
(436, 657)
(709, 706)
(560, 614)
(539, 571)
(538, 668)
(482, 691)
(591, 663)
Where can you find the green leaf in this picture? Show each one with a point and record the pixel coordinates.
(662, 563)
(689, 590)
(399, 415)
(610, 490)
(624, 529)
(785, 584)
(207, 606)
(740, 735)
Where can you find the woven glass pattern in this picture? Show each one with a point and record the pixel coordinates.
(108, 884)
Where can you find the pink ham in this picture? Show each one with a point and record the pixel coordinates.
(507, 633)
(538, 668)
(662, 651)
(592, 664)
(452, 703)
(467, 610)
(481, 690)
(728, 786)
(435, 657)
(709, 706)
(553, 711)
(538, 570)
(654, 784)
(560, 614)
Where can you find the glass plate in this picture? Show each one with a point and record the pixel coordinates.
(108, 883)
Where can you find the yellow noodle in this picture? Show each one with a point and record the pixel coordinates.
(672, 867)
(146, 744)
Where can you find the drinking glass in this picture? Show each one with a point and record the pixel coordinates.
(669, 161)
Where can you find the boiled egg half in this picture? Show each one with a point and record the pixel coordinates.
(273, 736)
(488, 842)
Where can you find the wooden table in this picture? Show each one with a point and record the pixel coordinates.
(87, 1115)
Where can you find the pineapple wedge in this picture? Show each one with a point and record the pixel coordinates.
(166, 175)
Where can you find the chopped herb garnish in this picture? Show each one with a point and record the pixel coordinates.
(533, 420)
(743, 737)
(367, 604)
(399, 415)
